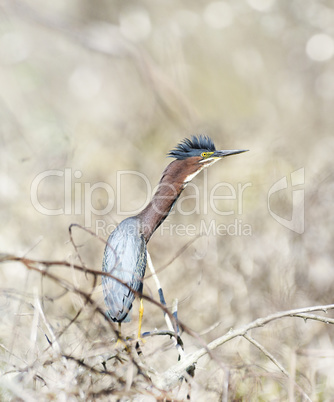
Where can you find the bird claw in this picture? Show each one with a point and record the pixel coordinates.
(141, 340)
(120, 344)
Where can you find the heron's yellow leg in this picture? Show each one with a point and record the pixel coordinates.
(141, 313)
(119, 339)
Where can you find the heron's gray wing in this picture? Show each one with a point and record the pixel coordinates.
(124, 258)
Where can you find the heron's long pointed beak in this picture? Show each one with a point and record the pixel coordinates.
(222, 154)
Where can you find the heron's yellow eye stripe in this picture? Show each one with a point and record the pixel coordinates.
(206, 154)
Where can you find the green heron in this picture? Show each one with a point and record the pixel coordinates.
(125, 253)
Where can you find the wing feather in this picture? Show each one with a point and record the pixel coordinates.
(124, 258)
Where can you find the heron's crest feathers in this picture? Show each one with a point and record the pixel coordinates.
(192, 147)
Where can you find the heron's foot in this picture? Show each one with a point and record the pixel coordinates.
(140, 340)
(120, 344)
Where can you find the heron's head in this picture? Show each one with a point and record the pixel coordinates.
(195, 154)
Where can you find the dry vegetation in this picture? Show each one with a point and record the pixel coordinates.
(92, 90)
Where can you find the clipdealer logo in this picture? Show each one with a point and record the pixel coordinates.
(78, 199)
(297, 221)
(223, 199)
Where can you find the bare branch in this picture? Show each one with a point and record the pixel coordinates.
(169, 378)
(315, 317)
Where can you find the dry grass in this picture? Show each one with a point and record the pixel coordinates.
(92, 91)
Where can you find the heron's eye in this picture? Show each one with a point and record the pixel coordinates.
(206, 155)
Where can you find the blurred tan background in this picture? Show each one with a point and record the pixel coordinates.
(96, 88)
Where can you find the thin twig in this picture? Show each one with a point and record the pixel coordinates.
(266, 353)
(53, 338)
(276, 362)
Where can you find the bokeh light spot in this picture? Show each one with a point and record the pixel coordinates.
(135, 24)
(320, 47)
(218, 15)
